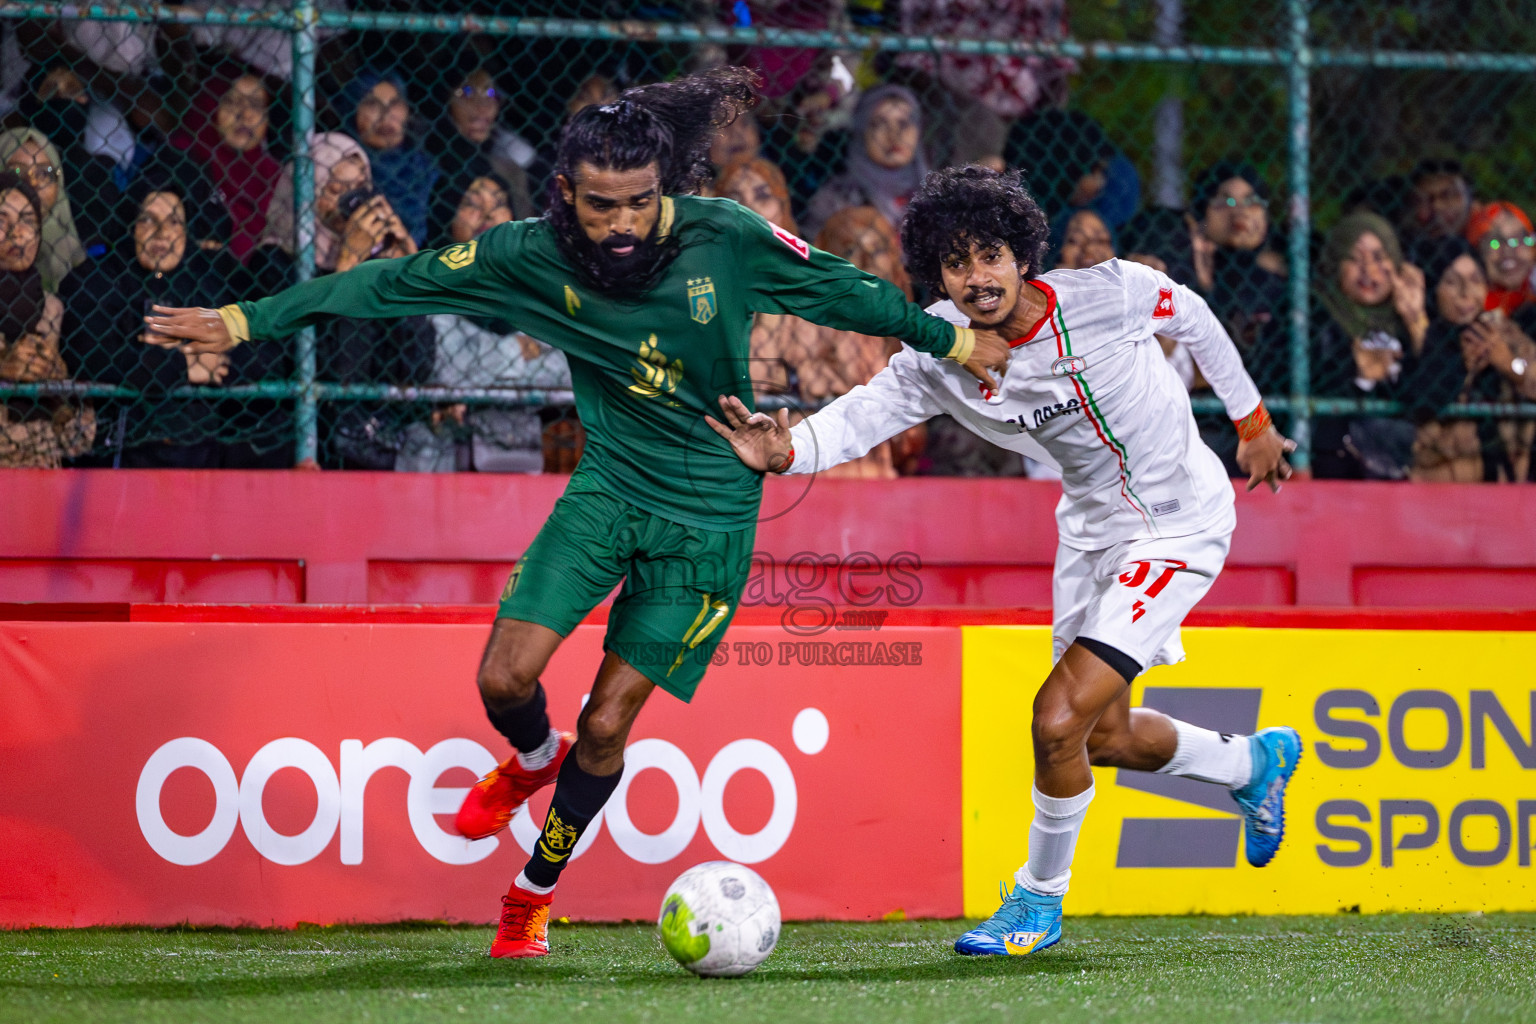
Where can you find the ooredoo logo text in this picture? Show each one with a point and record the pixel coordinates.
(340, 785)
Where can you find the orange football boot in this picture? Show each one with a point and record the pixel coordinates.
(524, 927)
(492, 801)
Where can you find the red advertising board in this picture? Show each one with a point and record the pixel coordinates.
(272, 773)
(297, 537)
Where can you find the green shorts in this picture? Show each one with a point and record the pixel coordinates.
(681, 583)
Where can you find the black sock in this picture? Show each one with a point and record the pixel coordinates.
(525, 724)
(579, 795)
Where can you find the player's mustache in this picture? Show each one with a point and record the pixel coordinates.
(619, 241)
(974, 294)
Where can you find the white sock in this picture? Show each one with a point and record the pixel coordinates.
(1052, 840)
(533, 760)
(1210, 756)
(538, 890)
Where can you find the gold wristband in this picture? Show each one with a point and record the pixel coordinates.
(235, 323)
(965, 344)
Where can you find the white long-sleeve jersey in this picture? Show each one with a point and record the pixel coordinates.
(1090, 386)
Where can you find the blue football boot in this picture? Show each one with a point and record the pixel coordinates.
(1024, 924)
(1276, 752)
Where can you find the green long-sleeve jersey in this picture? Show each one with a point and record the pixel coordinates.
(646, 372)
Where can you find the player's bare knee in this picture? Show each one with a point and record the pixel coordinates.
(1058, 736)
(509, 680)
(514, 659)
(602, 729)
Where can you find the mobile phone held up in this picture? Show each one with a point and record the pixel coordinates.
(355, 199)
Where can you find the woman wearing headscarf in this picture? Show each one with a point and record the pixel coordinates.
(482, 352)
(377, 112)
(823, 363)
(1467, 357)
(1080, 239)
(1230, 261)
(58, 104)
(1504, 238)
(1373, 319)
(808, 141)
(161, 263)
(352, 225)
(228, 122)
(34, 432)
(885, 160)
(759, 185)
(472, 149)
(28, 153)
(842, 360)
(272, 261)
(344, 234)
(1070, 164)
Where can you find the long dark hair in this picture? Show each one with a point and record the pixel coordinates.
(670, 124)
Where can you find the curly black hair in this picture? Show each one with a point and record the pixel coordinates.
(671, 124)
(960, 205)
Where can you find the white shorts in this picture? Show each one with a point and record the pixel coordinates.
(1133, 596)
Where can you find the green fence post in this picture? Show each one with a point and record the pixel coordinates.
(305, 38)
(1299, 88)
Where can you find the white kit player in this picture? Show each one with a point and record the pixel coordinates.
(1146, 514)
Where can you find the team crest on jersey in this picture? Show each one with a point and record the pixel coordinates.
(1164, 308)
(701, 299)
(1069, 366)
(797, 244)
(457, 257)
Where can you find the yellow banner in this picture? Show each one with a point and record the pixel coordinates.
(1416, 789)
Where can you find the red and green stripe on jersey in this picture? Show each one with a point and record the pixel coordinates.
(1058, 322)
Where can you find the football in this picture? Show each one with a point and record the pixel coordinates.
(719, 919)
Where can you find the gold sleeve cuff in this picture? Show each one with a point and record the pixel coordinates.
(965, 344)
(235, 323)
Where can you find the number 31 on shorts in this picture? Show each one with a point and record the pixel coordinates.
(1136, 576)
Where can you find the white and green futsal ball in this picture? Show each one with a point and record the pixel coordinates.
(719, 919)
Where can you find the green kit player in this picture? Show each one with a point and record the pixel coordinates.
(650, 291)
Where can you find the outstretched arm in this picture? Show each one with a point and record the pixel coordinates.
(467, 279)
(788, 275)
(1176, 312)
(847, 429)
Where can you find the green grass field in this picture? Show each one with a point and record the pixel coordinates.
(1399, 969)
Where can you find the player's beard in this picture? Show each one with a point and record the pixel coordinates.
(597, 268)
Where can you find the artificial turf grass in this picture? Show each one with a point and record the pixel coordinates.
(1397, 969)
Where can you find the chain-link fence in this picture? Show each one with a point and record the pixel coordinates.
(1345, 183)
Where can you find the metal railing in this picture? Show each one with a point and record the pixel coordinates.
(1299, 60)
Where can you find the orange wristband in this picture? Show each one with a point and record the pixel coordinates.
(790, 461)
(1254, 424)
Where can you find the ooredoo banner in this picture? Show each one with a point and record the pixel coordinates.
(1416, 789)
(277, 772)
(272, 773)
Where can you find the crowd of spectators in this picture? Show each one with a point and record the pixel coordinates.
(151, 164)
